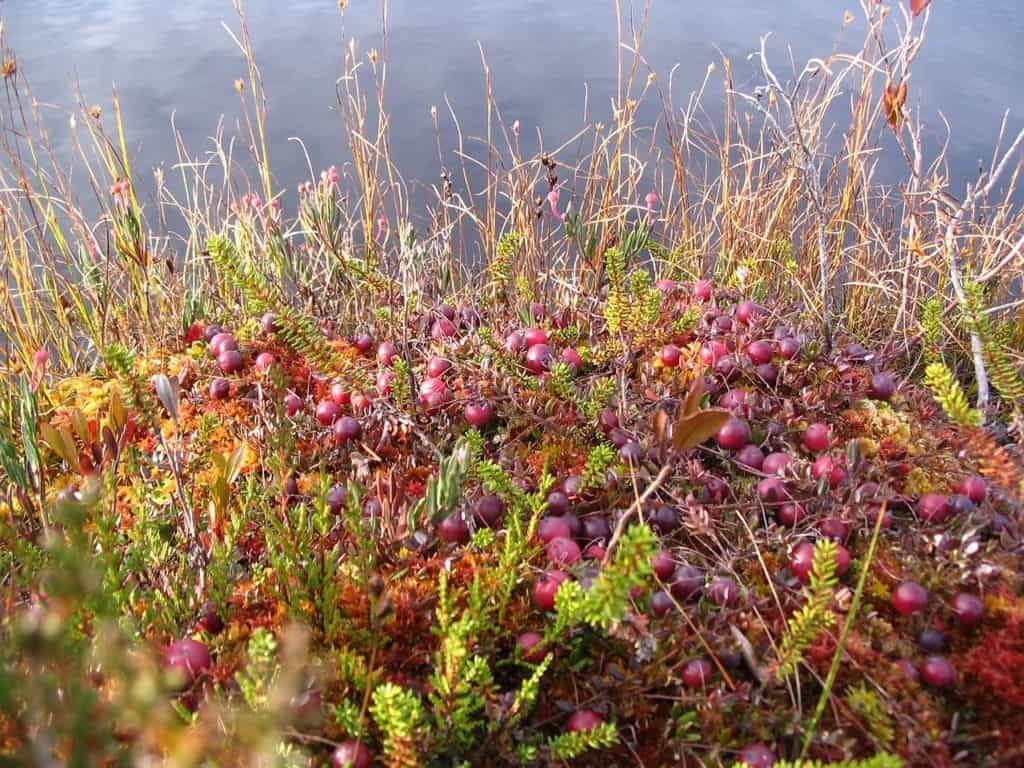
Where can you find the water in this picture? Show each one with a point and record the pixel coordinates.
(175, 59)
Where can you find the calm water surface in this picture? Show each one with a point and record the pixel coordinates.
(174, 58)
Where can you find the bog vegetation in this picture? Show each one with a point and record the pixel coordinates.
(679, 444)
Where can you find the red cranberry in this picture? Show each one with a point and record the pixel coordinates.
(663, 519)
(583, 720)
(968, 609)
(757, 755)
(515, 343)
(384, 381)
(189, 658)
(687, 581)
(726, 368)
(220, 389)
(595, 552)
(446, 311)
(572, 358)
(268, 323)
(221, 343)
(434, 393)
(539, 358)
(336, 499)
(535, 336)
(933, 508)
(664, 565)
(771, 490)
(437, 366)
(789, 348)
(575, 526)
(883, 387)
(351, 754)
(552, 528)
(767, 373)
(563, 551)
(479, 414)
(347, 429)
(790, 514)
(530, 648)
(834, 528)
(733, 435)
(265, 361)
(696, 673)
(670, 355)
(230, 361)
(666, 286)
(775, 463)
(210, 331)
(546, 586)
(937, 672)
(960, 504)
(596, 528)
(702, 290)
(608, 421)
(800, 561)
(750, 457)
(746, 311)
(327, 412)
(489, 511)
(453, 529)
(712, 351)
(210, 621)
(909, 598)
(723, 323)
(292, 405)
(736, 400)
(931, 640)
(973, 487)
(442, 328)
(828, 466)
(340, 394)
(558, 503)
(760, 352)
(815, 437)
(661, 603)
(386, 353)
(363, 342)
(724, 592)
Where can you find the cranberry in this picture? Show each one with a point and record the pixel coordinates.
(663, 519)
(479, 414)
(347, 429)
(726, 368)
(733, 435)
(702, 290)
(661, 603)
(618, 437)
(933, 508)
(960, 504)
(696, 673)
(790, 514)
(937, 672)
(789, 348)
(968, 609)
(340, 395)
(530, 648)
(767, 373)
(687, 581)
(189, 658)
(546, 586)
(883, 387)
(931, 640)
(724, 592)
(760, 352)
(539, 358)
(572, 358)
(386, 353)
(230, 361)
(801, 560)
(327, 412)
(434, 393)
(973, 487)
(453, 529)
(442, 328)
(363, 342)
(631, 453)
(746, 311)
(583, 720)
(384, 381)
(757, 755)
(664, 564)
(552, 528)
(558, 503)
(268, 323)
(775, 463)
(210, 621)
(771, 490)
(815, 437)
(909, 598)
(437, 366)
(336, 499)
(292, 404)
(750, 457)
(596, 528)
(827, 466)
(220, 389)
(608, 421)
(575, 526)
(595, 552)
(670, 355)
(723, 323)
(210, 332)
(515, 343)
(351, 754)
(535, 336)
(489, 511)
(221, 343)
(736, 400)
(712, 351)
(834, 528)
(563, 551)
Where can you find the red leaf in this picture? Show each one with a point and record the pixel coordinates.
(918, 6)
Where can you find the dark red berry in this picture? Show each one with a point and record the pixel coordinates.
(968, 609)
(220, 389)
(327, 412)
(583, 720)
(453, 529)
(351, 754)
(733, 435)
(489, 511)
(563, 551)
(815, 437)
(937, 672)
(973, 487)
(347, 429)
(696, 673)
(546, 586)
(757, 755)
(909, 598)
(933, 508)
(883, 387)
(530, 648)
(188, 658)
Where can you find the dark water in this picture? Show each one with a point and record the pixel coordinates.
(173, 57)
